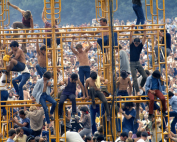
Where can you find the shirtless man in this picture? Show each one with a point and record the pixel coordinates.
(17, 61)
(41, 56)
(123, 83)
(94, 91)
(82, 56)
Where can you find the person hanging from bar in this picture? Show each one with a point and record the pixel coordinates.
(16, 59)
(153, 88)
(103, 22)
(135, 50)
(94, 91)
(41, 56)
(70, 93)
(27, 23)
(41, 94)
(48, 25)
(82, 56)
(21, 79)
(137, 7)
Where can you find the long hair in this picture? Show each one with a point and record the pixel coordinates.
(27, 15)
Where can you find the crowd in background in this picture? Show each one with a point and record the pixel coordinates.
(71, 65)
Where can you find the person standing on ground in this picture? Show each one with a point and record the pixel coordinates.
(82, 56)
(27, 23)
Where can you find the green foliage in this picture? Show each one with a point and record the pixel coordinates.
(83, 11)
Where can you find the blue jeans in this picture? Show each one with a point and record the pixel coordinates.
(106, 41)
(4, 97)
(40, 70)
(84, 71)
(49, 41)
(173, 114)
(93, 117)
(139, 14)
(72, 98)
(22, 79)
(44, 97)
(19, 67)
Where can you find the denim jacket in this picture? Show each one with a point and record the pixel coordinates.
(148, 85)
(38, 89)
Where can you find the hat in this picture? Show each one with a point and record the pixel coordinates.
(104, 89)
(123, 74)
(156, 74)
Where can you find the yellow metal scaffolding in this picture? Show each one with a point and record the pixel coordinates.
(105, 59)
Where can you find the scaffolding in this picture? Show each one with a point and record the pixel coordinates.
(107, 62)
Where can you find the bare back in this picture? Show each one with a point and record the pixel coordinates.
(83, 58)
(21, 56)
(41, 59)
(123, 83)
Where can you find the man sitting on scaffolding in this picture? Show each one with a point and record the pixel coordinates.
(27, 22)
(16, 59)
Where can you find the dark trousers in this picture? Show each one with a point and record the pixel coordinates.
(4, 97)
(49, 41)
(84, 73)
(173, 124)
(134, 67)
(93, 117)
(106, 41)
(151, 103)
(19, 88)
(96, 93)
(29, 131)
(139, 14)
(72, 98)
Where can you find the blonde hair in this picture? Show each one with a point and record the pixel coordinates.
(32, 108)
(129, 140)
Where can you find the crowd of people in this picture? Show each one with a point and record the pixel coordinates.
(83, 79)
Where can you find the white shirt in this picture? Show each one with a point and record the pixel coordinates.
(140, 140)
(118, 140)
(72, 137)
(3, 85)
(60, 78)
(26, 70)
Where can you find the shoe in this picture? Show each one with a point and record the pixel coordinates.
(150, 117)
(51, 118)
(4, 81)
